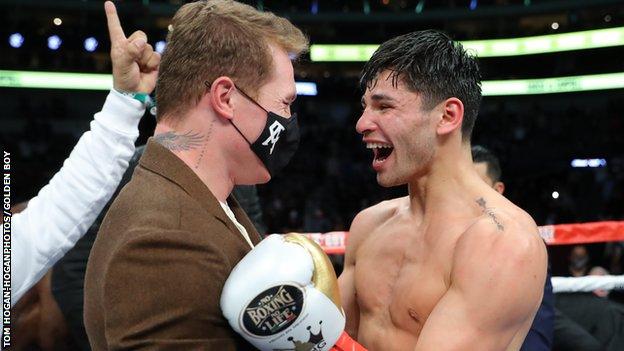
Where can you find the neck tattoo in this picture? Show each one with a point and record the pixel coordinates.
(203, 151)
(180, 142)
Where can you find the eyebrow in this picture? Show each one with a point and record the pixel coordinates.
(378, 97)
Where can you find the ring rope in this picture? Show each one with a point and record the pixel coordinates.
(587, 283)
(558, 234)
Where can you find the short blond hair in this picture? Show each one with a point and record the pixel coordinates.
(217, 38)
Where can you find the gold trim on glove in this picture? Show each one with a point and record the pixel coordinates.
(324, 276)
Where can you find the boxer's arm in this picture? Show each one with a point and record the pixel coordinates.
(496, 287)
(160, 291)
(346, 281)
(361, 226)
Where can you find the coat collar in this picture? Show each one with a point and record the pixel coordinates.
(160, 160)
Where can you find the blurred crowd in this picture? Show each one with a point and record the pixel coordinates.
(330, 179)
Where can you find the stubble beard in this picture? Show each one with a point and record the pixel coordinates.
(414, 165)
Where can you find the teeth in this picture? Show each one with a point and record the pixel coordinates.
(378, 146)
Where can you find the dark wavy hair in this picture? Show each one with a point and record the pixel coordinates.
(431, 63)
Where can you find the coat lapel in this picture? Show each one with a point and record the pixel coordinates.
(160, 160)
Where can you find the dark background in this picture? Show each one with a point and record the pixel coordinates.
(330, 179)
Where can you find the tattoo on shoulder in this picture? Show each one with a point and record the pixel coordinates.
(490, 213)
(180, 142)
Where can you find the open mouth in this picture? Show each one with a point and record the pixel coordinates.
(381, 151)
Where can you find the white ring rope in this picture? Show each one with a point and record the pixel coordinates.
(587, 283)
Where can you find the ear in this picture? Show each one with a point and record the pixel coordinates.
(221, 97)
(500, 187)
(452, 116)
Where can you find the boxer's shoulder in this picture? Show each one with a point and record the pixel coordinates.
(375, 215)
(501, 215)
(508, 264)
(372, 217)
(507, 233)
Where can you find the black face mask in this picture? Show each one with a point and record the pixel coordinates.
(278, 141)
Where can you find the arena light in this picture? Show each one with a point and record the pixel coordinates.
(90, 44)
(420, 6)
(54, 42)
(342, 53)
(542, 44)
(160, 46)
(555, 194)
(306, 88)
(588, 162)
(553, 85)
(314, 7)
(55, 80)
(16, 40)
(87, 81)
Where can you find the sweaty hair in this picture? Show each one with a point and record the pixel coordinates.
(482, 154)
(215, 38)
(430, 63)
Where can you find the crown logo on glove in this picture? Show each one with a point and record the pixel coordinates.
(315, 341)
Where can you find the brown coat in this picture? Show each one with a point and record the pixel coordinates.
(160, 261)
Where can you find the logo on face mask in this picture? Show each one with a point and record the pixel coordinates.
(275, 129)
(271, 134)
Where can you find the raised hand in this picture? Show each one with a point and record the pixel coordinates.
(135, 63)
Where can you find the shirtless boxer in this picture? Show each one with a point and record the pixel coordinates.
(453, 265)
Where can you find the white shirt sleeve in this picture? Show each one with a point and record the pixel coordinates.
(67, 206)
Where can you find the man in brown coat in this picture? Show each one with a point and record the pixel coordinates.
(170, 240)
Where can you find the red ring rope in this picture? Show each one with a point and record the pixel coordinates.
(558, 234)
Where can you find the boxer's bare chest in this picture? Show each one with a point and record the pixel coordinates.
(402, 270)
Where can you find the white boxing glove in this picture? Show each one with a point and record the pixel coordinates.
(283, 295)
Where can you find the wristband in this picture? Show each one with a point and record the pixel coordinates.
(143, 98)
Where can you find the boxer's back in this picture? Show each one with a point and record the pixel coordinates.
(404, 265)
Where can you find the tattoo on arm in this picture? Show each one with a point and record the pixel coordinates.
(488, 211)
(180, 142)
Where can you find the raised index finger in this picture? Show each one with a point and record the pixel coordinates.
(114, 26)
